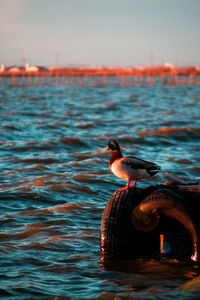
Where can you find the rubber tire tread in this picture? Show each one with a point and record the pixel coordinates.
(117, 230)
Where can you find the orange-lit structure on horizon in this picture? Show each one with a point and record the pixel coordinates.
(125, 76)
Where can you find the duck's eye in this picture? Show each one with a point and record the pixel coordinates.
(113, 145)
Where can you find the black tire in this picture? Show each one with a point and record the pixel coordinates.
(115, 224)
(121, 240)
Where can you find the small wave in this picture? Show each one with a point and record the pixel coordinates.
(127, 138)
(57, 125)
(86, 125)
(69, 113)
(77, 258)
(166, 131)
(4, 236)
(184, 161)
(37, 225)
(28, 233)
(30, 147)
(110, 106)
(37, 231)
(60, 187)
(11, 113)
(66, 207)
(36, 160)
(6, 247)
(83, 178)
(70, 188)
(82, 155)
(84, 235)
(98, 172)
(40, 212)
(60, 268)
(90, 177)
(89, 235)
(37, 246)
(30, 169)
(2, 250)
(39, 182)
(180, 161)
(170, 159)
(101, 138)
(72, 141)
(169, 112)
(56, 239)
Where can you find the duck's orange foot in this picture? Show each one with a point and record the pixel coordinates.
(128, 186)
(133, 185)
(124, 188)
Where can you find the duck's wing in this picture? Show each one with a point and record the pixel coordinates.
(137, 163)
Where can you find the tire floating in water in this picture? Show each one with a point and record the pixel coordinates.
(134, 221)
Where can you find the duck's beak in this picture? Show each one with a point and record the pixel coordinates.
(107, 148)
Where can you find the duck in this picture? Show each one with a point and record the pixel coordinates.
(129, 168)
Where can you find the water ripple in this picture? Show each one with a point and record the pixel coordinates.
(55, 182)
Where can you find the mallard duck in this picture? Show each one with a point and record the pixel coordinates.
(129, 168)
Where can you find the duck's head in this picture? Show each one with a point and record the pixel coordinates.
(113, 145)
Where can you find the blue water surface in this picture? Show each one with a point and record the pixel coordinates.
(55, 182)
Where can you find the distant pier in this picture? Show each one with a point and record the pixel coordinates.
(101, 76)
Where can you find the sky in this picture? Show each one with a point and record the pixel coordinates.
(100, 32)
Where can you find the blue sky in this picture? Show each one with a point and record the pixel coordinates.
(100, 32)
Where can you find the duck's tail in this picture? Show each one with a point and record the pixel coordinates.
(154, 170)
